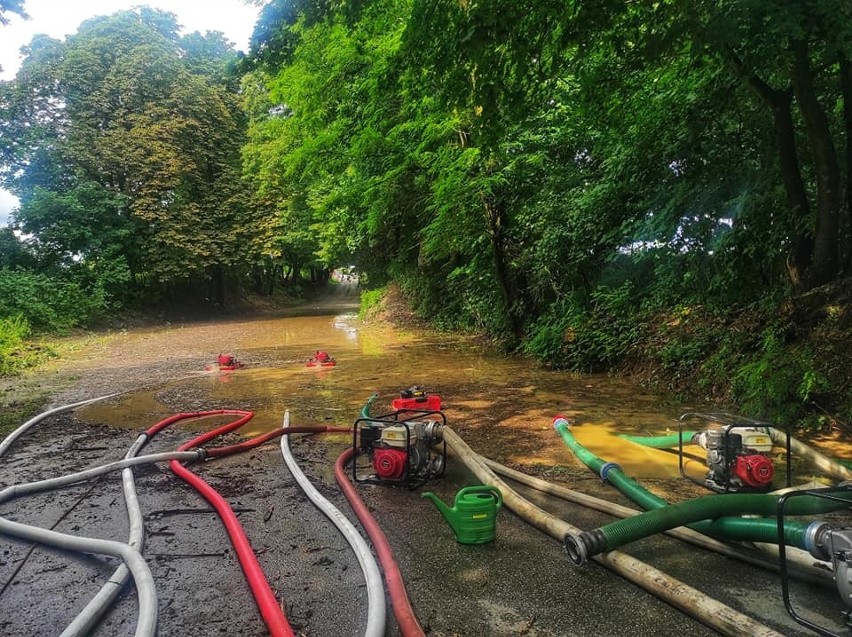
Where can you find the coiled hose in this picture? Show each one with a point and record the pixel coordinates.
(91, 614)
(146, 625)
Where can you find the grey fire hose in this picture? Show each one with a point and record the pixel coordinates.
(146, 625)
(94, 610)
(376, 611)
(8, 440)
(18, 490)
(88, 618)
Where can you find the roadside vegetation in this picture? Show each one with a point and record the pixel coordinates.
(656, 188)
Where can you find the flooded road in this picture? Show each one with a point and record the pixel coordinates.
(503, 406)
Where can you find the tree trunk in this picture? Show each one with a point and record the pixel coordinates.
(825, 264)
(779, 103)
(846, 92)
(505, 281)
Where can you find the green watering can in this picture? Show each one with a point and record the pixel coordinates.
(474, 516)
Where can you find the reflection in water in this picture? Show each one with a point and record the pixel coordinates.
(502, 406)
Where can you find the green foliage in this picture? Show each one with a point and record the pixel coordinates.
(371, 300)
(587, 335)
(13, 331)
(45, 303)
(777, 382)
(123, 143)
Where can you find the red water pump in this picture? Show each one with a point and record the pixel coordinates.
(737, 459)
(416, 398)
(405, 446)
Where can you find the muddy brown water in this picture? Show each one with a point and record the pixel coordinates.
(503, 407)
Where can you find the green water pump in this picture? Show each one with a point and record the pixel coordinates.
(474, 515)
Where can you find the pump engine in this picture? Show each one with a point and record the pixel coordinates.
(826, 540)
(737, 460)
(404, 449)
(738, 452)
(408, 450)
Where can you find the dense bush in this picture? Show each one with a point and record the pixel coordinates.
(13, 331)
(46, 303)
(370, 301)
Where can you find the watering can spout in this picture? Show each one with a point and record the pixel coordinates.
(446, 511)
(473, 517)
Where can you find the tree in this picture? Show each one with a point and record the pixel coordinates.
(11, 6)
(130, 152)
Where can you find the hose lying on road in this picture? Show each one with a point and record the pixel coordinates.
(828, 465)
(616, 534)
(822, 462)
(402, 610)
(729, 527)
(807, 569)
(19, 490)
(100, 603)
(12, 437)
(219, 452)
(146, 625)
(693, 602)
(270, 609)
(88, 618)
(376, 612)
(94, 610)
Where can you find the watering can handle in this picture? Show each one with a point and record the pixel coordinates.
(481, 488)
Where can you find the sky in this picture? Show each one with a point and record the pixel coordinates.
(59, 18)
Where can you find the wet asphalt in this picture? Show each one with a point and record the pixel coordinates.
(522, 584)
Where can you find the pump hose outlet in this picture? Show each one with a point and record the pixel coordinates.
(581, 546)
(816, 536)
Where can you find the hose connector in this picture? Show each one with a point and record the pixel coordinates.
(582, 546)
(200, 452)
(560, 420)
(815, 540)
(609, 466)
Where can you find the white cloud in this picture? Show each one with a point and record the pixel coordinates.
(58, 19)
(8, 202)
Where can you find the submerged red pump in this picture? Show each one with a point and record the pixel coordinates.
(406, 446)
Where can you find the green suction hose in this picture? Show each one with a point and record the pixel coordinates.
(365, 410)
(660, 442)
(701, 514)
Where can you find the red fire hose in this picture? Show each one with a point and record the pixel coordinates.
(269, 607)
(402, 610)
(218, 452)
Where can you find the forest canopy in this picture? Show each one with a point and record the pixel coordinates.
(559, 175)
